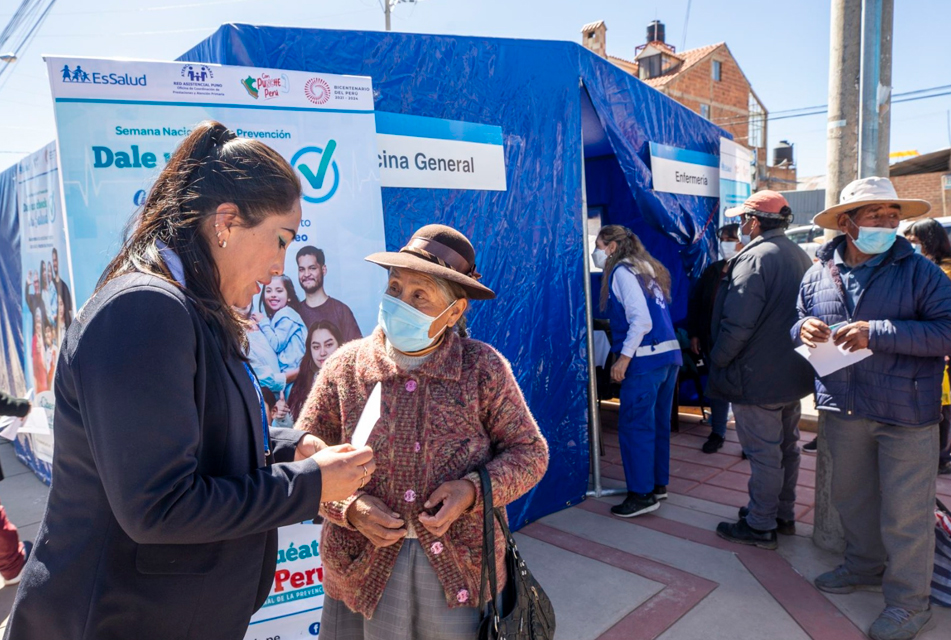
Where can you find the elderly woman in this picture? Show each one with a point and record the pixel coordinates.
(402, 556)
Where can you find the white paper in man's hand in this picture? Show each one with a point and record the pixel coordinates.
(10, 426)
(369, 417)
(827, 358)
(37, 421)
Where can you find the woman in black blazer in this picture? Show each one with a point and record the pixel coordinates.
(168, 486)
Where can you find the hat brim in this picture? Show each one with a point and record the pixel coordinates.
(909, 209)
(734, 212)
(387, 259)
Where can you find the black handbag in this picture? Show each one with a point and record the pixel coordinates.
(525, 612)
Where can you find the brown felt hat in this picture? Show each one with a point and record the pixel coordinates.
(440, 251)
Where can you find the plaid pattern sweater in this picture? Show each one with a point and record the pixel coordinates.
(461, 409)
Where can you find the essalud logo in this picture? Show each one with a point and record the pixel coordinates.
(84, 76)
(313, 164)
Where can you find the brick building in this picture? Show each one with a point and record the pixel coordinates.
(708, 81)
(927, 177)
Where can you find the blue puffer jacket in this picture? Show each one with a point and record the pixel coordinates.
(907, 304)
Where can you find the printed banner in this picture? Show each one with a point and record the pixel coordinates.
(429, 153)
(119, 121)
(47, 295)
(292, 609)
(690, 173)
(736, 175)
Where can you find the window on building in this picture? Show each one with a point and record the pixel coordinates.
(705, 111)
(649, 67)
(756, 138)
(715, 70)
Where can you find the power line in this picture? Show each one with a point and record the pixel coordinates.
(801, 112)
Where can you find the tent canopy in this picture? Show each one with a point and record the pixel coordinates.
(529, 239)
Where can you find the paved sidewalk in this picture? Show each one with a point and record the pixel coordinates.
(665, 575)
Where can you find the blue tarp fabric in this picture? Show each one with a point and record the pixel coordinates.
(11, 318)
(529, 238)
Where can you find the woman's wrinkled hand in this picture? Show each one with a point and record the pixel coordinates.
(381, 525)
(308, 446)
(619, 369)
(343, 470)
(456, 496)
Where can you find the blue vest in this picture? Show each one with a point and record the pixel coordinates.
(660, 346)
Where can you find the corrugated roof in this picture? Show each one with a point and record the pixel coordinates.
(592, 26)
(926, 163)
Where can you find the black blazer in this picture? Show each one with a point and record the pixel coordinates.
(162, 514)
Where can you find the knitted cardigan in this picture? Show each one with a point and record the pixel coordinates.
(461, 409)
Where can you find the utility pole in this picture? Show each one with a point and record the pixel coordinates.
(844, 67)
(875, 87)
(841, 169)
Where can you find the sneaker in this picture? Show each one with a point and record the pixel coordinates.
(896, 623)
(783, 527)
(636, 504)
(810, 447)
(841, 580)
(713, 444)
(944, 468)
(27, 548)
(660, 491)
(742, 533)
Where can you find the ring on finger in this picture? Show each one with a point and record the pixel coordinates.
(365, 471)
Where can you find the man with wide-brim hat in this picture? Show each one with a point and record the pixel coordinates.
(754, 367)
(879, 417)
(402, 556)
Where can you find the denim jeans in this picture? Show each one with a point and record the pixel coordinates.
(644, 427)
(719, 412)
(769, 435)
(883, 484)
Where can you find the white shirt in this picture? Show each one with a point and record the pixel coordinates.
(629, 292)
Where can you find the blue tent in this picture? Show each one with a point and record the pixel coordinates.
(567, 116)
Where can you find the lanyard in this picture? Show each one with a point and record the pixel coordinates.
(257, 389)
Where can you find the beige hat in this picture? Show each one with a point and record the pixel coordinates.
(866, 191)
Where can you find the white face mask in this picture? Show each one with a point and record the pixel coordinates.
(600, 258)
(728, 249)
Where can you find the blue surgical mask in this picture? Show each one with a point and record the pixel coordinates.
(917, 248)
(405, 327)
(874, 240)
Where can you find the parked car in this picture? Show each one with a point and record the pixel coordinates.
(809, 237)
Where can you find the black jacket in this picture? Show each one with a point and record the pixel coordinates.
(162, 514)
(753, 359)
(13, 406)
(700, 304)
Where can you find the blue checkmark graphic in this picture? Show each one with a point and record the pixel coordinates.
(316, 180)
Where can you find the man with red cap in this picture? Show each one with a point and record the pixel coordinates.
(754, 366)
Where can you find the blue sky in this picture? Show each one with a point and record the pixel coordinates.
(782, 47)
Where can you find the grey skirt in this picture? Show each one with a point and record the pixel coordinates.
(413, 607)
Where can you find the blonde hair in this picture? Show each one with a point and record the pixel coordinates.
(630, 249)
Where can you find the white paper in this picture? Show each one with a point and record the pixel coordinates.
(37, 421)
(9, 426)
(827, 358)
(369, 417)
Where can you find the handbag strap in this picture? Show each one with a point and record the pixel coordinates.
(488, 543)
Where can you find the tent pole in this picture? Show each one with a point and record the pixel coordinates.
(594, 414)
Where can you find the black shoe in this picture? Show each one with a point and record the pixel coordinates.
(811, 446)
(944, 469)
(713, 444)
(742, 533)
(636, 504)
(660, 491)
(783, 527)
(743, 455)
